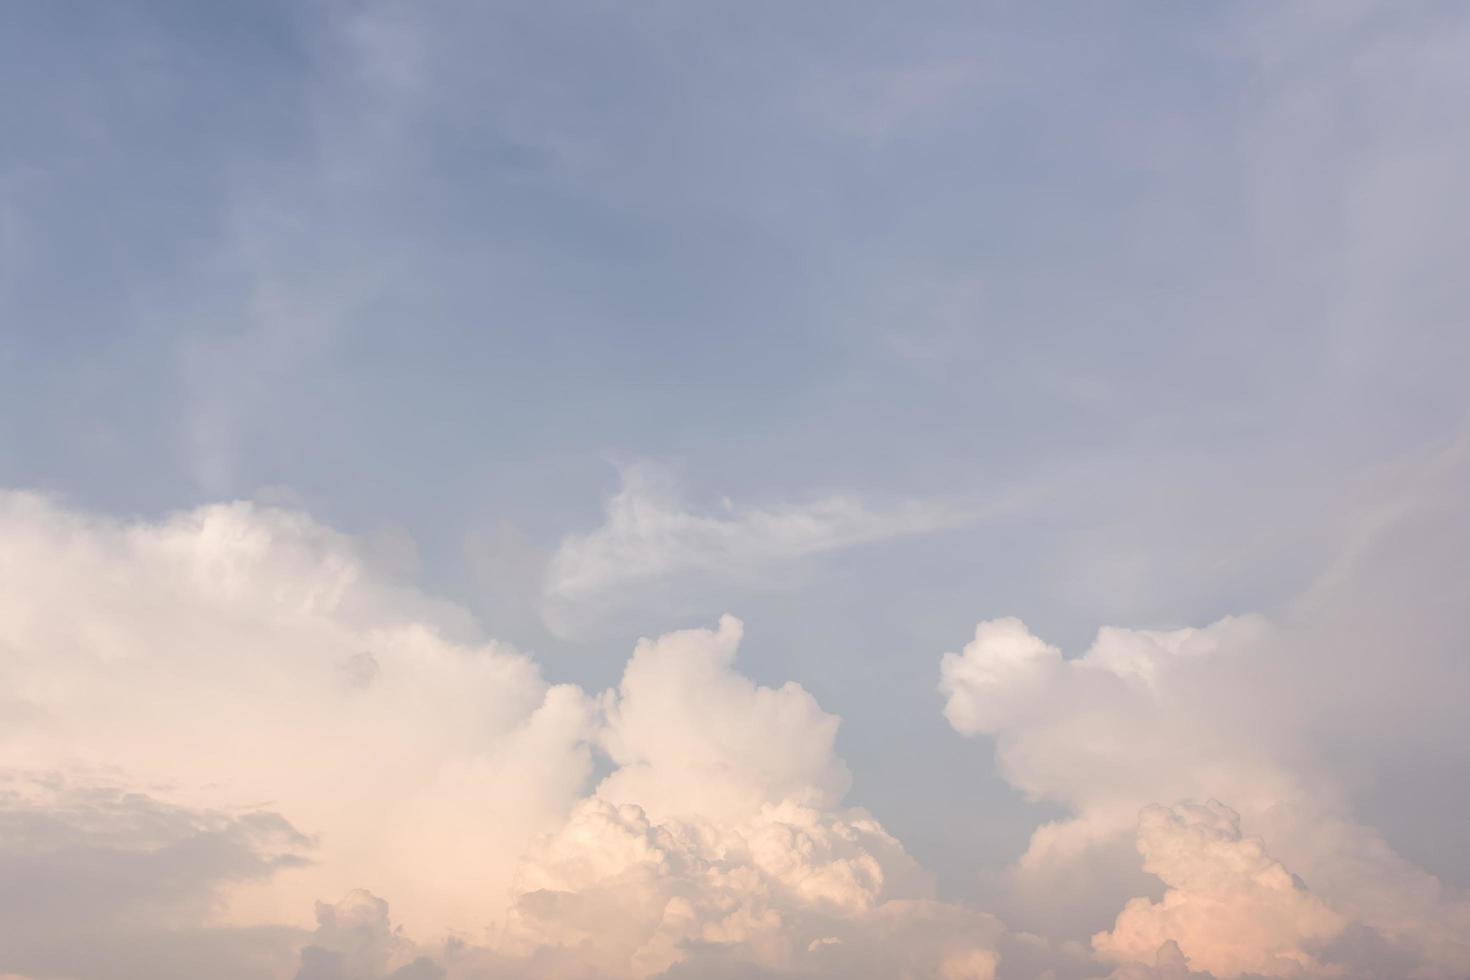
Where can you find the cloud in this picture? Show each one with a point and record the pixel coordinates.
(238, 656)
(1230, 909)
(355, 940)
(100, 882)
(651, 538)
(1146, 719)
(630, 897)
(690, 735)
(296, 726)
(260, 698)
(996, 676)
(248, 716)
(1275, 719)
(1168, 964)
(719, 837)
(716, 846)
(306, 729)
(1119, 694)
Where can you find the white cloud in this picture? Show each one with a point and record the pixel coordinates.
(1278, 721)
(1230, 909)
(690, 735)
(356, 940)
(1144, 718)
(240, 660)
(996, 676)
(720, 837)
(1085, 731)
(242, 656)
(243, 660)
(651, 539)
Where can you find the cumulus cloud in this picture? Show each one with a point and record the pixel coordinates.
(238, 655)
(356, 940)
(689, 734)
(1148, 720)
(996, 676)
(1085, 731)
(1168, 964)
(1273, 719)
(719, 840)
(311, 730)
(650, 537)
(626, 896)
(240, 719)
(1230, 910)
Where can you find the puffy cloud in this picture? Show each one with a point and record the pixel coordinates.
(1150, 717)
(632, 897)
(1230, 910)
(237, 655)
(242, 662)
(1168, 964)
(651, 538)
(1085, 731)
(1285, 722)
(690, 735)
(250, 674)
(996, 677)
(355, 940)
(720, 838)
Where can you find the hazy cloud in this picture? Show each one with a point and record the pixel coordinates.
(99, 881)
(650, 537)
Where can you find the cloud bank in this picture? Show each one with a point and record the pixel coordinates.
(236, 685)
(227, 735)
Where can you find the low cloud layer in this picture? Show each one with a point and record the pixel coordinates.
(305, 731)
(227, 735)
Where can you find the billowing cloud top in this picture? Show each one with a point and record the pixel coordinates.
(1141, 738)
(226, 735)
(237, 684)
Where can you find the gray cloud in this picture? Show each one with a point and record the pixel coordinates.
(100, 882)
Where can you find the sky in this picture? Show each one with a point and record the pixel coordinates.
(609, 491)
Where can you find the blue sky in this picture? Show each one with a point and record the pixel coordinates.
(861, 322)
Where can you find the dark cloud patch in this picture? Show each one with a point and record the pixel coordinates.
(97, 881)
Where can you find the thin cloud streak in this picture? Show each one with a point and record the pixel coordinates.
(651, 536)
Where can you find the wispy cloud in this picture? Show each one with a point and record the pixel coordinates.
(651, 535)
